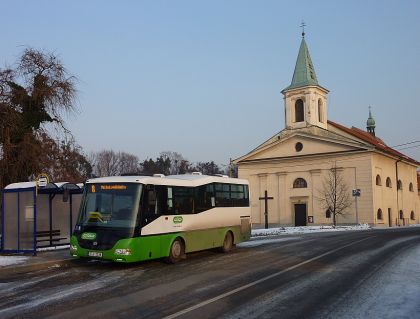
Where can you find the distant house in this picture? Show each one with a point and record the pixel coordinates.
(293, 164)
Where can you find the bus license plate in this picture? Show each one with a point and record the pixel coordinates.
(95, 254)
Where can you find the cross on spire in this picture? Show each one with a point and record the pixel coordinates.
(303, 25)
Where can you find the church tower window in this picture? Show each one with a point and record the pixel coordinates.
(388, 182)
(300, 183)
(299, 111)
(378, 180)
(411, 188)
(320, 115)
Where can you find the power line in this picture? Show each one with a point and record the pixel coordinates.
(406, 148)
(406, 143)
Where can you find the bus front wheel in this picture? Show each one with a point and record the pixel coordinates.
(176, 252)
(227, 242)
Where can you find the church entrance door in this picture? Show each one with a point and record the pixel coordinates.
(300, 214)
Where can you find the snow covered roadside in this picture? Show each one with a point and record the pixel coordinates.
(12, 260)
(305, 229)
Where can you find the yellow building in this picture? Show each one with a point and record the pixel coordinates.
(292, 166)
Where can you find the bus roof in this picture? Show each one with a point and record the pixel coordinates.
(171, 180)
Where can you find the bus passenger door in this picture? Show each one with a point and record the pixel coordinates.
(154, 203)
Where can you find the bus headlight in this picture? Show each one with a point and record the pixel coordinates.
(73, 247)
(123, 251)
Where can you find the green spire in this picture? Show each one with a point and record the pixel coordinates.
(370, 123)
(304, 70)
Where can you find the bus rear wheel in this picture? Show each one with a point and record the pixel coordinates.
(176, 252)
(227, 243)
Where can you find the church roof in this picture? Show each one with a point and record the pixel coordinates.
(359, 139)
(374, 141)
(304, 74)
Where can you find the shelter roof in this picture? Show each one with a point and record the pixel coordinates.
(50, 188)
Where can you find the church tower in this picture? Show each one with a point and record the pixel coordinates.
(305, 101)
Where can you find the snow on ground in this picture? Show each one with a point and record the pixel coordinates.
(12, 260)
(261, 241)
(393, 292)
(53, 248)
(305, 229)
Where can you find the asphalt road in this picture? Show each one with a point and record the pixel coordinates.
(324, 275)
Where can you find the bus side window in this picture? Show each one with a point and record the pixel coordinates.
(204, 198)
(223, 195)
(151, 202)
(183, 200)
(170, 201)
(237, 195)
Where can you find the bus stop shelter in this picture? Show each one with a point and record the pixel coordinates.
(33, 218)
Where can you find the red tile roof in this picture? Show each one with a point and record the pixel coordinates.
(375, 141)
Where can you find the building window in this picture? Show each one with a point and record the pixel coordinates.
(299, 111)
(378, 180)
(412, 216)
(300, 183)
(411, 188)
(401, 214)
(399, 185)
(379, 215)
(298, 146)
(320, 110)
(388, 182)
(328, 213)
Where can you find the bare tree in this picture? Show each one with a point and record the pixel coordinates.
(335, 195)
(178, 164)
(38, 91)
(106, 163)
(110, 163)
(129, 164)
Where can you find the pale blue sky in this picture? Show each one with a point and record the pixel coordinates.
(192, 76)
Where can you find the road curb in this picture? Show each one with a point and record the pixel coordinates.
(30, 267)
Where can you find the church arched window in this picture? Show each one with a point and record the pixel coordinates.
(299, 111)
(300, 183)
(411, 187)
(412, 216)
(378, 180)
(320, 115)
(399, 185)
(379, 215)
(388, 182)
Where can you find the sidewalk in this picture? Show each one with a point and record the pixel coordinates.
(26, 263)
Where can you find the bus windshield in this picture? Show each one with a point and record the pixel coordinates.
(110, 205)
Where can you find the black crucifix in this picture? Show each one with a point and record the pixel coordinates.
(266, 198)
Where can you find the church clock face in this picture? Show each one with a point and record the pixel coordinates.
(298, 146)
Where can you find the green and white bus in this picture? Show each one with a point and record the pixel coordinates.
(134, 218)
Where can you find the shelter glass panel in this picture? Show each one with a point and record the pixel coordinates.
(76, 200)
(10, 235)
(61, 219)
(26, 220)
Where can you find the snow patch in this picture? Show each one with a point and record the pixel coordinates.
(53, 248)
(305, 229)
(12, 260)
(259, 242)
